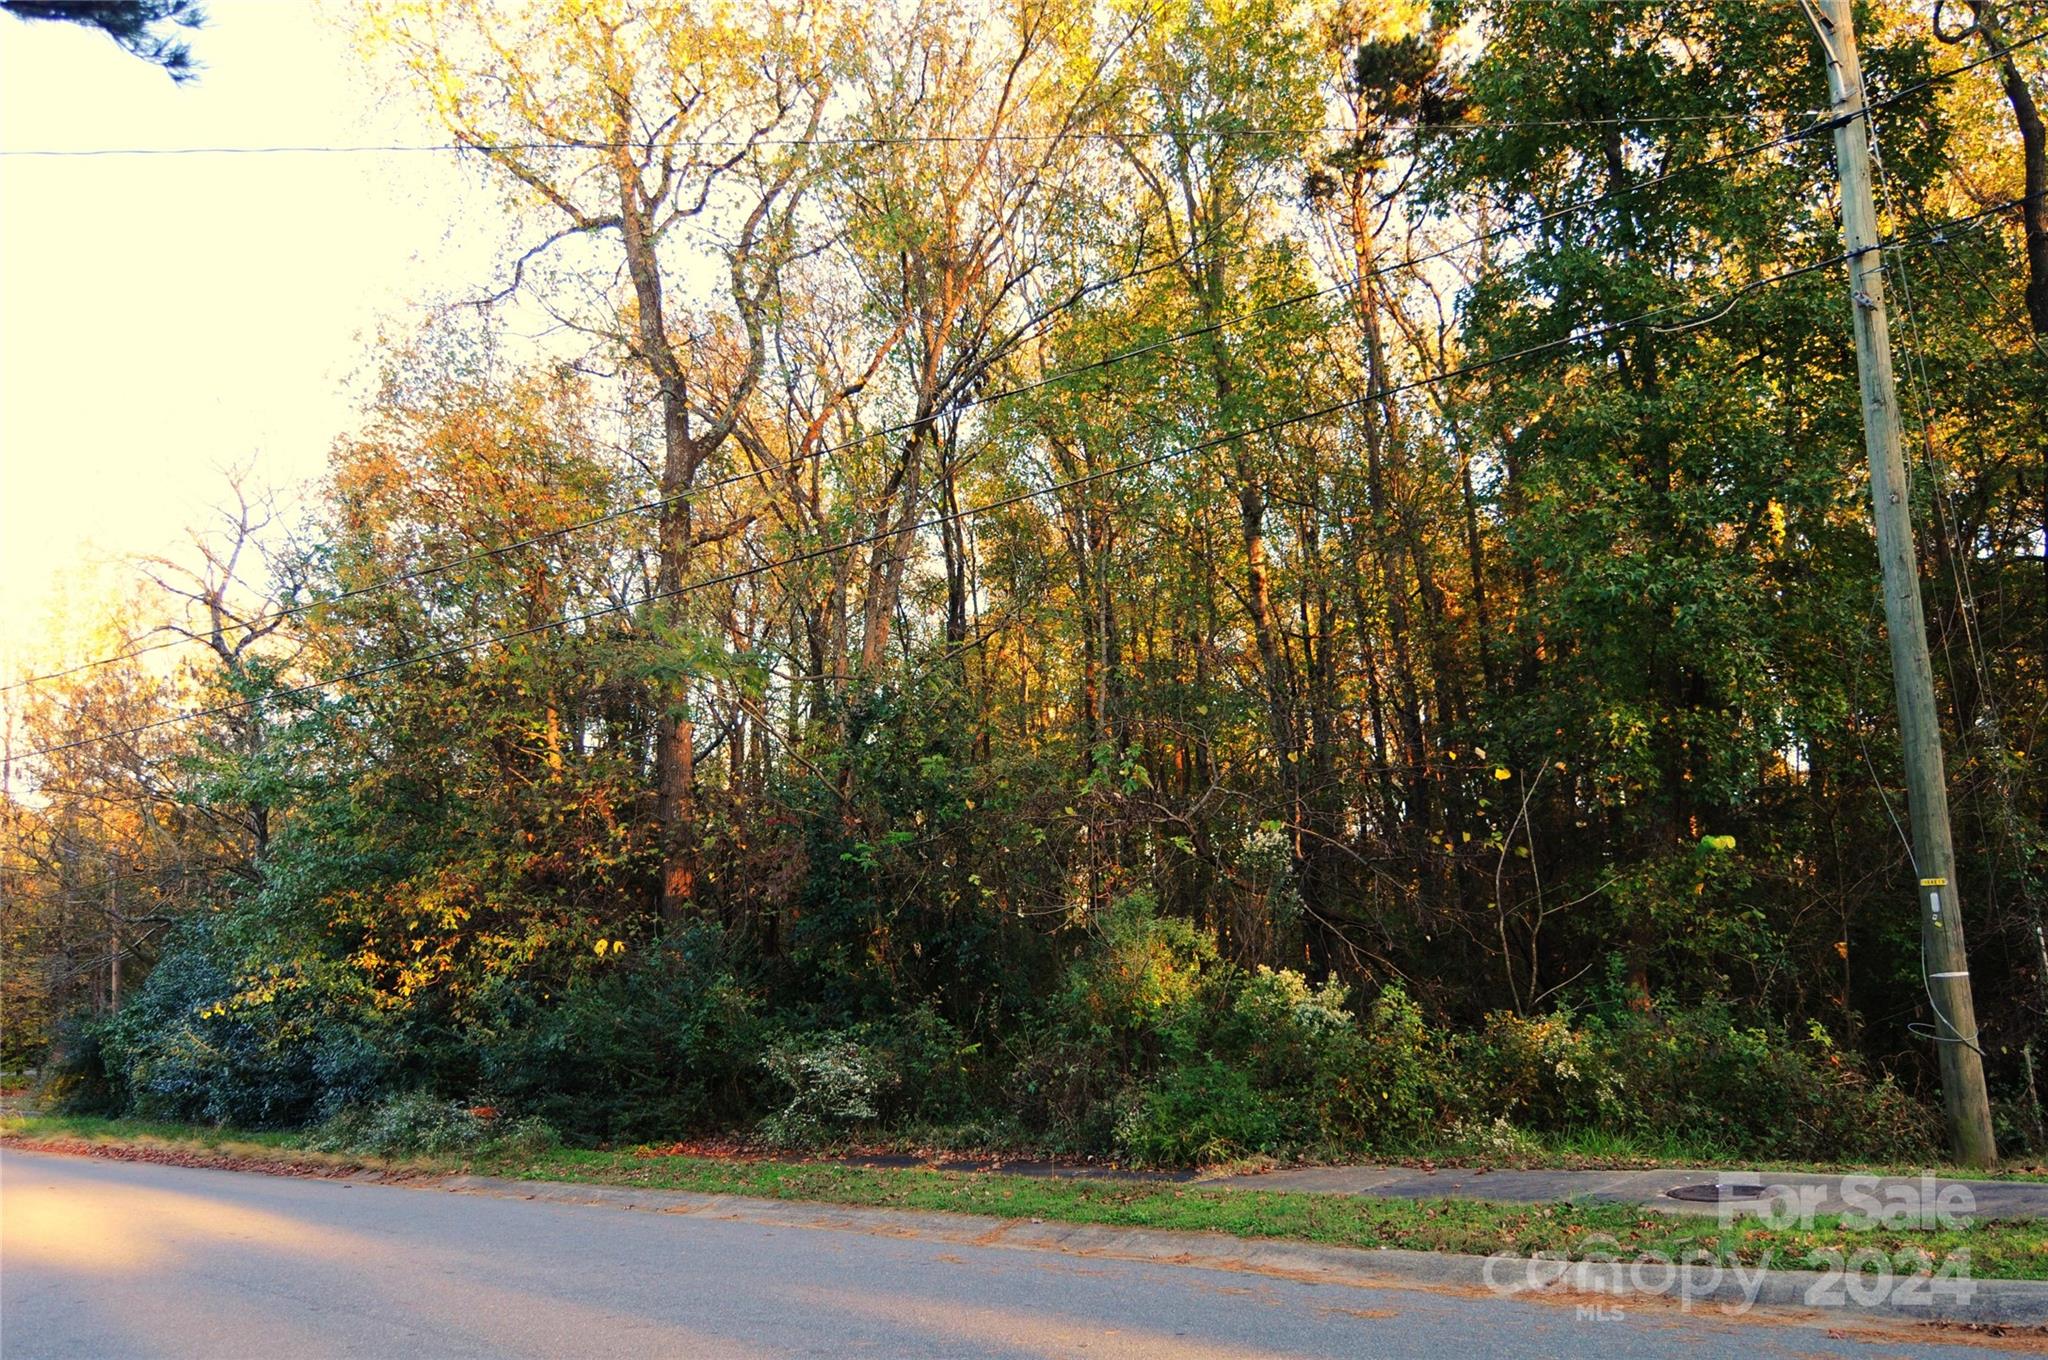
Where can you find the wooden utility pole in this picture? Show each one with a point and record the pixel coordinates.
(1944, 961)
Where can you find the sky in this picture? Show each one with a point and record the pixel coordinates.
(166, 318)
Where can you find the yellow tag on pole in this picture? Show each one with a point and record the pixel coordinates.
(1934, 883)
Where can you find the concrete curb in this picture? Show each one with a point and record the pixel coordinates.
(1822, 1296)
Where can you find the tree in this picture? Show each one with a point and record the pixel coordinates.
(102, 852)
(635, 124)
(1012, 493)
(136, 25)
(233, 602)
(1986, 25)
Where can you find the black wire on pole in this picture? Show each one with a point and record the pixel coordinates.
(987, 507)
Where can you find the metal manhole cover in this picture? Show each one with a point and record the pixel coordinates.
(1715, 1194)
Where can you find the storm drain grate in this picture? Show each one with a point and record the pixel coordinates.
(1716, 1193)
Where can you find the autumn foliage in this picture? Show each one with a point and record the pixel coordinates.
(1168, 583)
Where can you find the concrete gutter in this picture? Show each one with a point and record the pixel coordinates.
(1826, 1299)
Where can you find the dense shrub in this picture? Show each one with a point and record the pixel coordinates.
(1158, 1051)
(419, 1123)
(1547, 1071)
(659, 1045)
(213, 1038)
(1150, 1048)
(1273, 1066)
(1410, 1077)
(1290, 1032)
(934, 1075)
(833, 1084)
(1132, 1000)
(75, 1076)
(1698, 1074)
(1204, 1111)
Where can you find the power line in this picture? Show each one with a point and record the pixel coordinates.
(1002, 502)
(968, 139)
(857, 140)
(1105, 361)
(1541, 219)
(1954, 71)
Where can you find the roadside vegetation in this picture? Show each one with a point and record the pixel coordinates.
(1994, 1249)
(1180, 586)
(1150, 1049)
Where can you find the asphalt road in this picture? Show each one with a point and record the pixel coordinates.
(113, 1259)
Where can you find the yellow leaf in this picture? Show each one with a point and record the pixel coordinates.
(602, 945)
(1500, 772)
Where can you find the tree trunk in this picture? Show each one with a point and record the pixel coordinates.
(675, 778)
(2033, 151)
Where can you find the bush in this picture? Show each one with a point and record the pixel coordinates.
(1311, 1059)
(834, 1083)
(1142, 975)
(1157, 1050)
(1136, 996)
(1160, 1053)
(76, 1078)
(934, 1075)
(1698, 1074)
(1408, 1084)
(1291, 1032)
(1150, 1048)
(210, 1039)
(1496, 1141)
(418, 1124)
(1200, 1113)
(1547, 1071)
(652, 1048)
(1757, 1088)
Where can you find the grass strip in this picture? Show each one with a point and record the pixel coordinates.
(1997, 1249)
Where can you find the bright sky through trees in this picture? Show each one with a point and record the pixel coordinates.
(166, 317)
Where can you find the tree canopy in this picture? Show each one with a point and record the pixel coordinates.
(1076, 540)
(142, 28)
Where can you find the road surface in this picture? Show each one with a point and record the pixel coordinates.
(112, 1259)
